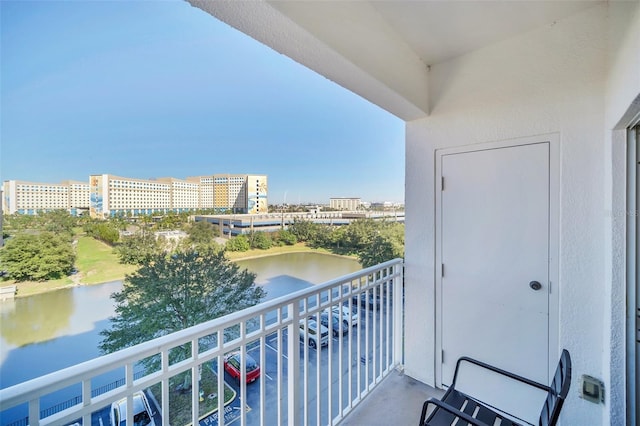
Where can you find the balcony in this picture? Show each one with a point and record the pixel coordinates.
(305, 377)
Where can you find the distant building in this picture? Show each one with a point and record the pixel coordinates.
(231, 225)
(78, 196)
(108, 195)
(345, 203)
(32, 197)
(257, 194)
(184, 195)
(114, 195)
(235, 193)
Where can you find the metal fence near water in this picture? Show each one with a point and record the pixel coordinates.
(299, 383)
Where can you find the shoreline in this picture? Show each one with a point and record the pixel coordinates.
(32, 288)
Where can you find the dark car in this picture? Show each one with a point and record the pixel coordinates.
(333, 323)
(232, 366)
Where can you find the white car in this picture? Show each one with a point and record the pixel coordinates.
(311, 334)
(142, 414)
(346, 314)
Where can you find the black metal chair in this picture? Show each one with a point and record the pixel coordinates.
(469, 410)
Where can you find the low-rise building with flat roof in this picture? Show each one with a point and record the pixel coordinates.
(344, 203)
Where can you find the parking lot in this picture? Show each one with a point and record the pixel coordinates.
(352, 368)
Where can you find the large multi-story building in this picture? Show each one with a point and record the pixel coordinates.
(78, 196)
(229, 192)
(185, 195)
(32, 197)
(257, 194)
(205, 197)
(345, 203)
(113, 195)
(108, 195)
(236, 193)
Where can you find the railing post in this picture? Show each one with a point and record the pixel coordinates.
(86, 399)
(398, 314)
(34, 412)
(195, 384)
(164, 359)
(220, 376)
(293, 365)
(128, 379)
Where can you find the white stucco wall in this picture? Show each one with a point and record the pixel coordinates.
(622, 103)
(567, 79)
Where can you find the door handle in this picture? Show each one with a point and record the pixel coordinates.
(535, 285)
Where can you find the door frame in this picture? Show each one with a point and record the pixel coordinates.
(553, 139)
(632, 276)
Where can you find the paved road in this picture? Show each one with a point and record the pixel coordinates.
(353, 363)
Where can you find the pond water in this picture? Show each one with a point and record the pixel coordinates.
(47, 332)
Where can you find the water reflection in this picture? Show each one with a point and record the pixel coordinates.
(311, 268)
(49, 316)
(31, 318)
(47, 332)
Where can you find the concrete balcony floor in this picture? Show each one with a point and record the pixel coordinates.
(396, 401)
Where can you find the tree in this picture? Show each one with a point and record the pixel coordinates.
(101, 230)
(336, 238)
(261, 240)
(286, 238)
(321, 236)
(174, 292)
(19, 222)
(37, 257)
(137, 249)
(387, 244)
(239, 243)
(360, 233)
(201, 235)
(171, 220)
(304, 230)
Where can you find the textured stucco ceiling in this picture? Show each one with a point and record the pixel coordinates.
(434, 30)
(382, 49)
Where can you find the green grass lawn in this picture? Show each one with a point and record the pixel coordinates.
(296, 248)
(29, 288)
(96, 262)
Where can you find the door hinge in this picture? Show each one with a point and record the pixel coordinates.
(442, 356)
(442, 269)
(442, 183)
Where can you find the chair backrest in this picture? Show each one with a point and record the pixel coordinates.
(559, 390)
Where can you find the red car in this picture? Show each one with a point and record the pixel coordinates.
(232, 366)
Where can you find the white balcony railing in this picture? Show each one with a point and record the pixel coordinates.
(298, 384)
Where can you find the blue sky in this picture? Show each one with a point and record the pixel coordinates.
(159, 88)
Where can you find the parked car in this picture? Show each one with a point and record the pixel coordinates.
(347, 314)
(310, 335)
(334, 323)
(367, 300)
(142, 414)
(233, 367)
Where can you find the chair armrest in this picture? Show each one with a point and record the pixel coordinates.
(500, 371)
(443, 405)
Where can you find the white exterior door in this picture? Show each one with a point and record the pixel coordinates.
(494, 253)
